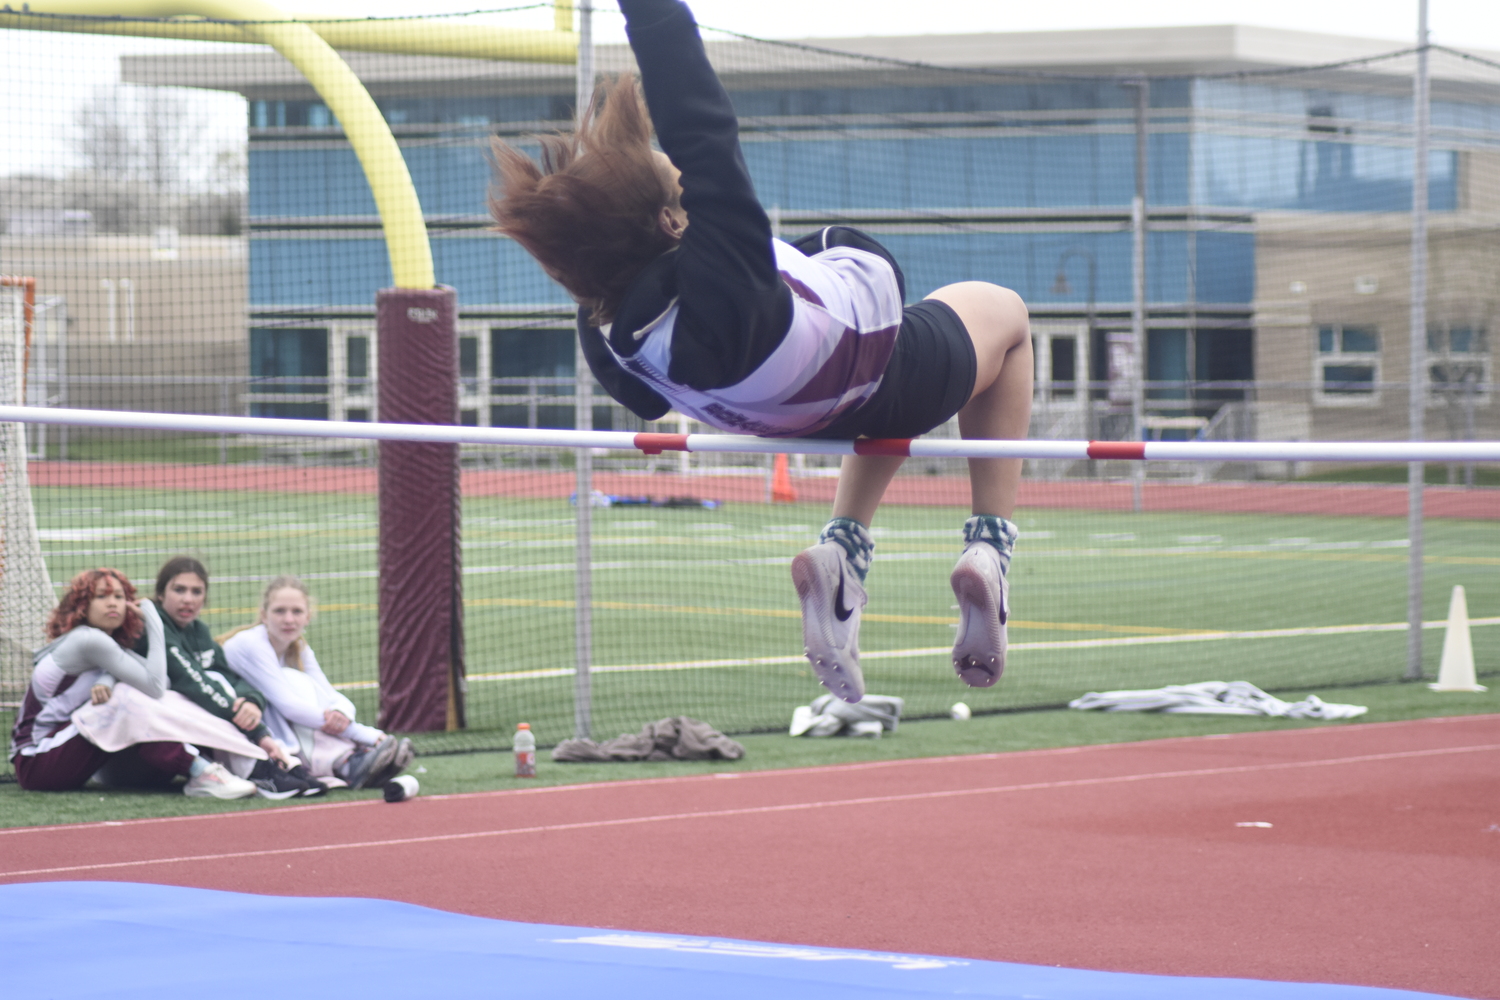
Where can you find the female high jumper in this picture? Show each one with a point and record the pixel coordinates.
(688, 303)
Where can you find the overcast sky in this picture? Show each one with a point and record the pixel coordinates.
(46, 76)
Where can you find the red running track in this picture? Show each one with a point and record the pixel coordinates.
(1226, 498)
(1380, 866)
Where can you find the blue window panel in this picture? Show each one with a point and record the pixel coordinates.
(931, 260)
(1166, 360)
(493, 271)
(1315, 175)
(1116, 169)
(1071, 254)
(816, 173)
(426, 168)
(1231, 171)
(450, 180)
(318, 272)
(303, 182)
(942, 173)
(1225, 267)
(267, 186)
(1065, 169)
(1000, 172)
(286, 182)
(1168, 157)
(939, 173)
(1452, 114)
(1026, 262)
(346, 190)
(767, 163)
(880, 174)
(277, 354)
(1167, 267)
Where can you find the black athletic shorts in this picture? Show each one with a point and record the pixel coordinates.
(929, 378)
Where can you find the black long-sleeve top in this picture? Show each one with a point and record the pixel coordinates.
(734, 309)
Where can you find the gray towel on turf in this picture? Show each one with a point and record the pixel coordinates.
(1215, 698)
(830, 716)
(679, 738)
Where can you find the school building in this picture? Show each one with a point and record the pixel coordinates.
(1278, 189)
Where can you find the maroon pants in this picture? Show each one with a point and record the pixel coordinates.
(67, 767)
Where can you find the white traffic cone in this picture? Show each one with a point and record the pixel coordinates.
(1456, 672)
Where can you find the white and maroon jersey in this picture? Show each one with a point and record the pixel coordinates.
(45, 718)
(846, 311)
(64, 672)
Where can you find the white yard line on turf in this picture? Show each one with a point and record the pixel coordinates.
(897, 654)
(1333, 551)
(762, 810)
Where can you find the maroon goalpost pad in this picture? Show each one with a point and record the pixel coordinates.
(421, 581)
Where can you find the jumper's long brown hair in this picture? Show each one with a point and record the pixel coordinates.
(589, 213)
(73, 610)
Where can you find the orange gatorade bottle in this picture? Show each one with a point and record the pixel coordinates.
(525, 745)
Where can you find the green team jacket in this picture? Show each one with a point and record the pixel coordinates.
(191, 654)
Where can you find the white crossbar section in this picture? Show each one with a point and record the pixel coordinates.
(1174, 451)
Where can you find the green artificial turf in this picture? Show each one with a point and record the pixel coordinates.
(159, 448)
(490, 771)
(694, 613)
(1433, 474)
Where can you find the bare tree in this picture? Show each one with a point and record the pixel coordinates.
(136, 143)
(104, 136)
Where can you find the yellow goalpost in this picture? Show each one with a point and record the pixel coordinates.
(421, 586)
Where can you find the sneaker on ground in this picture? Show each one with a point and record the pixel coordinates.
(983, 606)
(311, 786)
(404, 756)
(215, 782)
(272, 781)
(832, 597)
(369, 763)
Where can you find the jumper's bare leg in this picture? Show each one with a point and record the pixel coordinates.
(1000, 407)
(862, 482)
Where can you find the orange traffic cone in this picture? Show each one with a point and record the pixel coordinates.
(782, 490)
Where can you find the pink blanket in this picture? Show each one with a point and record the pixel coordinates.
(131, 717)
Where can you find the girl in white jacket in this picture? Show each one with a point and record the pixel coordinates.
(303, 709)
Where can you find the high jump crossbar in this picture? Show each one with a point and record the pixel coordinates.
(655, 444)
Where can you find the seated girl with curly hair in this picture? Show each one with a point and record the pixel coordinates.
(92, 629)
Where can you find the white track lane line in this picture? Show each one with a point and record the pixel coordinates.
(758, 810)
(782, 772)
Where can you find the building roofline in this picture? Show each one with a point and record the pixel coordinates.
(1162, 51)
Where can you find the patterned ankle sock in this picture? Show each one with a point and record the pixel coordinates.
(997, 531)
(855, 540)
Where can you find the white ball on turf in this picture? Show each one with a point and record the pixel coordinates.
(960, 711)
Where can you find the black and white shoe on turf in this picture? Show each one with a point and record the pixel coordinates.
(310, 786)
(272, 781)
(832, 597)
(366, 765)
(983, 607)
(400, 762)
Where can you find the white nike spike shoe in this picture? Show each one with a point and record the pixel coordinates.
(832, 596)
(983, 606)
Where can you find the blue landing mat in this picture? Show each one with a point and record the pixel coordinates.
(125, 940)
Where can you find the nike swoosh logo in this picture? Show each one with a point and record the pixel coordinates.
(841, 612)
